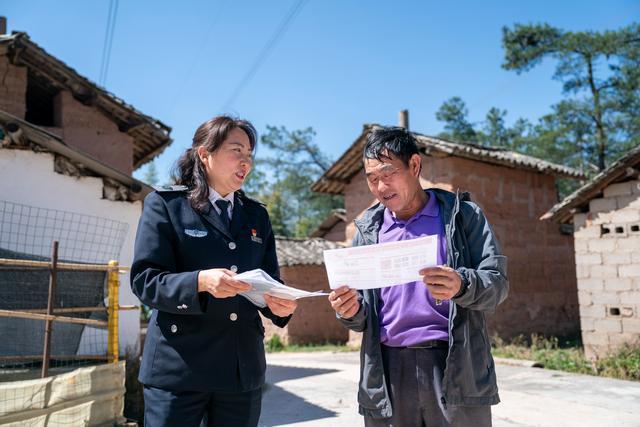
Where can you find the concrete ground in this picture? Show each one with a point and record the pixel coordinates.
(319, 389)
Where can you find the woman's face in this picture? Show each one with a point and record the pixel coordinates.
(229, 165)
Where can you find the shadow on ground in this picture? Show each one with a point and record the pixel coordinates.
(282, 407)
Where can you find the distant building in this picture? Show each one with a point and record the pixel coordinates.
(69, 145)
(302, 266)
(605, 214)
(513, 190)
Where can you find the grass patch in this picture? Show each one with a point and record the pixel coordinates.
(568, 356)
(275, 345)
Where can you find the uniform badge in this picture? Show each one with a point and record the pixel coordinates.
(195, 233)
(254, 236)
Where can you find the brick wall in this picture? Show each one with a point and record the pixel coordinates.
(89, 130)
(541, 269)
(81, 126)
(607, 243)
(314, 321)
(13, 88)
(337, 232)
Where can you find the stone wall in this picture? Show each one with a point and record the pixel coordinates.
(607, 243)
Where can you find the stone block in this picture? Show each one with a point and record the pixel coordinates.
(608, 325)
(616, 258)
(603, 271)
(602, 245)
(619, 189)
(625, 216)
(589, 259)
(628, 244)
(617, 284)
(630, 297)
(593, 311)
(591, 283)
(631, 325)
(632, 270)
(602, 205)
(595, 338)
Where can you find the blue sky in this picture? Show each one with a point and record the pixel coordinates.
(339, 65)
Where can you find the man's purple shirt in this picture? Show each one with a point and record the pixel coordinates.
(408, 314)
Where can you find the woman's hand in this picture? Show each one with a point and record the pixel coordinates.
(220, 283)
(279, 306)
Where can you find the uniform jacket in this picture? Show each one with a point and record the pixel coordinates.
(194, 341)
(472, 249)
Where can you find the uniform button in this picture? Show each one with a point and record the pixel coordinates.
(234, 268)
(232, 245)
(174, 328)
(233, 317)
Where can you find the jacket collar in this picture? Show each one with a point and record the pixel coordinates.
(239, 218)
(371, 221)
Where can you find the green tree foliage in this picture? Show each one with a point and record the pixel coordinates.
(601, 78)
(151, 174)
(454, 114)
(282, 179)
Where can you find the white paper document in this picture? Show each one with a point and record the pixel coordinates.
(381, 265)
(262, 283)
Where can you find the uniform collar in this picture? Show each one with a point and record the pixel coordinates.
(430, 208)
(214, 196)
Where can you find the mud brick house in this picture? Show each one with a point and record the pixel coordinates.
(302, 266)
(514, 190)
(333, 227)
(605, 214)
(71, 146)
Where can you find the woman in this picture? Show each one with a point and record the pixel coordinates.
(204, 353)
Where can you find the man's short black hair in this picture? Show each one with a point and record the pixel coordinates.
(390, 141)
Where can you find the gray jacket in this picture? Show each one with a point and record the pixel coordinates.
(472, 249)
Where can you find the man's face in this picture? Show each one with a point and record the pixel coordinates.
(393, 183)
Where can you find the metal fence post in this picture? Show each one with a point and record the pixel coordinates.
(113, 286)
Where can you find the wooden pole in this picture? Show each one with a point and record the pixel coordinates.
(113, 282)
(4, 262)
(53, 318)
(49, 323)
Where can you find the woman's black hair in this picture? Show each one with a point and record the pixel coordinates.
(382, 143)
(189, 170)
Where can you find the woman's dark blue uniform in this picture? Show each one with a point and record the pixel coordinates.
(198, 348)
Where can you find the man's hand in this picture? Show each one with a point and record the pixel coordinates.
(279, 306)
(442, 282)
(344, 301)
(220, 283)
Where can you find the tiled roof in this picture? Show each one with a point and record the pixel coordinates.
(334, 217)
(150, 135)
(296, 251)
(346, 167)
(627, 167)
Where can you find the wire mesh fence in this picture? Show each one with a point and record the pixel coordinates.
(54, 314)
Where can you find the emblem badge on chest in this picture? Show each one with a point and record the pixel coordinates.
(254, 236)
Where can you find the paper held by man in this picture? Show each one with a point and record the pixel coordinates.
(381, 265)
(261, 283)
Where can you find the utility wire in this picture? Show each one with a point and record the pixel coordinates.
(264, 53)
(196, 59)
(108, 41)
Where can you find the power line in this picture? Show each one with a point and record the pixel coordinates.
(266, 50)
(108, 41)
(196, 59)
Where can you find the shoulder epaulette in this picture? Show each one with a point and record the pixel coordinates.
(165, 188)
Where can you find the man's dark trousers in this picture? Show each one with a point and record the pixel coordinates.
(414, 382)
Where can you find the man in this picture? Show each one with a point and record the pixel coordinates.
(426, 357)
